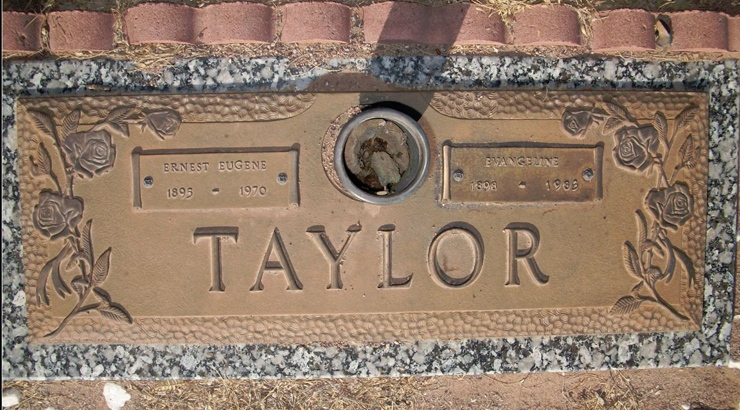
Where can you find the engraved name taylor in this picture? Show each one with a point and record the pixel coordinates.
(523, 240)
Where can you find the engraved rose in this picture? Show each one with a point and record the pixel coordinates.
(56, 215)
(164, 123)
(577, 121)
(671, 206)
(90, 153)
(636, 147)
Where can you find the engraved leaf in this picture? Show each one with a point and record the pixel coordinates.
(42, 160)
(121, 113)
(111, 310)
(612, 123)
(51, 268)
(115, 313)
(72, 261)
(44, 123)
(687, 150)
(36, 171)
(661, 125)
(598, 115)
(691, 163)
(60, 286)
(41, 294)
(671, 265)
(625, 305)
(79, 285)
(654, 274)
(102, 294)
(102, 265)
(654, 247)
(638, 286)
(686, 117)
(616, 110)
(87, 247)
(642, 230)
(632, 261)
(124, 128)
(70, 123)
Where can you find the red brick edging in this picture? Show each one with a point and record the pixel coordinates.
(81, 30)
(316, 23)
(388, 22)
(396, 22)
(623, 30)
(21, 31)
(547, 26)
(700, 31)
(214, 24)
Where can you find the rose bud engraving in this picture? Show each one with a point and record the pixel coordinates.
(577, 122)
(164, 123)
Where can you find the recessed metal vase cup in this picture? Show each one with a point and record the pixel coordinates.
(418, 155)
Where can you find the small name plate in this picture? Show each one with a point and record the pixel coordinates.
(528, 173)
(229, 178)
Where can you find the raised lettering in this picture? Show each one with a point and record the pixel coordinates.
(387, 279)
(281, 265)
(515, 254)
(465, 238)
(216, 233)
(318, 234)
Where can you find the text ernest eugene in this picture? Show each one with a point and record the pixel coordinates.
(196, 167)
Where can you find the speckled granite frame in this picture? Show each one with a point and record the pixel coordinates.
(709, 346)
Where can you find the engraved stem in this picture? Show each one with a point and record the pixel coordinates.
(65, 166)
(649, 259)
(670, 142)
(664, 303)
(71, 181)
(84, 271)
(675, 174)
(56, 181)
(77, 310)
(77, 244)
(654, 235)
(662, 173)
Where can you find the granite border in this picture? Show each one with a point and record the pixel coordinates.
(709, 346)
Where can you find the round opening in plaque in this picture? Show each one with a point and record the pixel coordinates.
(381, 156)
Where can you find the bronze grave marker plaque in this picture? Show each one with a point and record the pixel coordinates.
(299, 217)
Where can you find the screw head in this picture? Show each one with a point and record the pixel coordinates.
(148, 181)
(458, 175)
(282, 178)
(588, 174)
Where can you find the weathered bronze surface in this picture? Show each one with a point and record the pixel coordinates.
(220, 219)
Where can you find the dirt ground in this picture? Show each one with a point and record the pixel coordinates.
(696, 389)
